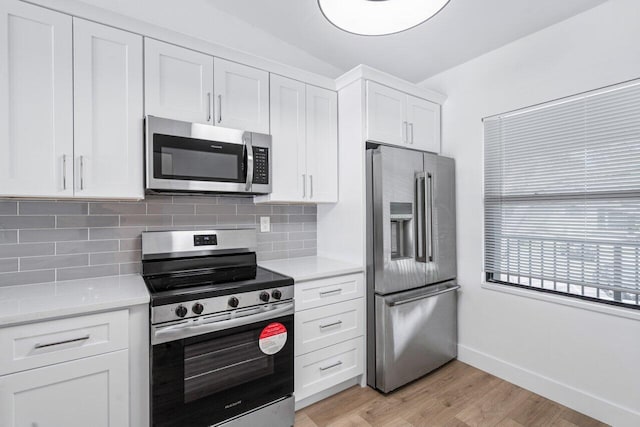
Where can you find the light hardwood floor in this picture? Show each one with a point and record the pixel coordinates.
(456, 395)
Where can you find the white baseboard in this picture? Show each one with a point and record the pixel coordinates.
(588, 404)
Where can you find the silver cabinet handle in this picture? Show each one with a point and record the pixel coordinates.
(334, 291)
(411, 133)
(328, 325)
(333, 365)
(219, 108)
(304, 186)
(404, 132)
(64, 171)
(311, 186)
(38, 345)
(81, 172)
(209, 107)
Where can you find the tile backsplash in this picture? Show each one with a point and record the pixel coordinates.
(49, 240)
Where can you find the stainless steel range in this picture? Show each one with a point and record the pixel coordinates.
(221, 331)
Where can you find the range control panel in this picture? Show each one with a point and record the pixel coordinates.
(260, 165)
(205, 240)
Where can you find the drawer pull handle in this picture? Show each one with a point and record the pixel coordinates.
(339, 322)
(333, 365)
(335, 291)
(62, 342)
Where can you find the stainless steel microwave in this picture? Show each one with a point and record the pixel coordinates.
(193, 157)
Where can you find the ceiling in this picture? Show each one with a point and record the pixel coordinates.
(463, 30)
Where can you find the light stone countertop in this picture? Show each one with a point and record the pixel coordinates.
(311, 268)
(29, 303)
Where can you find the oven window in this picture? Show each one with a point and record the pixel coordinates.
(197, 159)
(214, 366)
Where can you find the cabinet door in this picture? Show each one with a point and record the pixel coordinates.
(424, 124)
(108, 124)
(178, 83)
(86, 392)
(386, 114)
(242, 96)
(288, 131)
(322, 145)
(36, 101)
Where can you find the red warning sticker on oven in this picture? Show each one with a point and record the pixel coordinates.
(273, 338)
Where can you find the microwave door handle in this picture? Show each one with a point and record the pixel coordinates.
(249, 150)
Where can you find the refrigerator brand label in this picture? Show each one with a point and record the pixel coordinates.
(273, 338)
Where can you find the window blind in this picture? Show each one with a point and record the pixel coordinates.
(562, 196)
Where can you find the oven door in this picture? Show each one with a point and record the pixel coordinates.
(184, 156)
(241, 362)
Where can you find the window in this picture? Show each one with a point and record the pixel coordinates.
(562, 196)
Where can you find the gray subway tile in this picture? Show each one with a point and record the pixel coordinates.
(310, 226)
(131, 268)
(286, 227)
(279, 219)
(114, 257)
(311, 210)
(131, 244)
(114, 208)
(53, 208)
(58, 261)
(310, 243)
(87, 272)
(265, 247)
(289, 244)
(196, 200)
(27, 277)
(115, 233)
(8, 265)
(271, 237)
(287, 209)
(158, 198)
(85, 247)
(302, 235)
(172, 228)
(216, 209)
(303, 218)
(128, 220)
(8, 236)
(302, 252)
(8, 207)
(29, 249)
(232, 200)
(195, 220)
(236, 219)
(19, 222)
(53, 235)
(163, 208)
(254, 209)
(266, 256)
(77, 221)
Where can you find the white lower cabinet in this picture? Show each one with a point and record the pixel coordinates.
(329, 338)
(88, 392)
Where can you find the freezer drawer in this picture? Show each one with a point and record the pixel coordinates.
(416, 332)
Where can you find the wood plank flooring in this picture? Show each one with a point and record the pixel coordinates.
(456, 395)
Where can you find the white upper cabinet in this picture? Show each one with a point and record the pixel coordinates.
(108, 111)
(288, 131)
(396, 118)
(36, 105)
(178, 83)
(322, 145)
(304, 128)
(242, 96)
(386, 114)
(423, 119)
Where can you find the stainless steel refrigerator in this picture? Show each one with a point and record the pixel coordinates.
(411, 265)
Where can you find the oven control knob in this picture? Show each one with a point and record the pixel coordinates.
(276, 294)
(181, 311)
(264, 296)
(197, 308)
(233, 302)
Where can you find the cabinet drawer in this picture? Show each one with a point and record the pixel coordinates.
(319, 370)
(39, 344)
(321, 292)
(323, 326)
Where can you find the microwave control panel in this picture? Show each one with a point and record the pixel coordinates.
(260, 165)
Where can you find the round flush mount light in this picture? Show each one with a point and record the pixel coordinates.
(379, 17)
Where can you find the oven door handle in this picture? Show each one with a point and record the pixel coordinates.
(185, 329)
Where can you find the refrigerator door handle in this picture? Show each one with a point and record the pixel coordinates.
(420, 203)
(424, 296)
(429, 216)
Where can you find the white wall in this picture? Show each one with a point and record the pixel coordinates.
(200, 19)
(585, 359)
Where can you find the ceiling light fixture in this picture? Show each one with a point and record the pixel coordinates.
(379, 17)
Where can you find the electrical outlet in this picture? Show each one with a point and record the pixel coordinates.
(265, 224)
